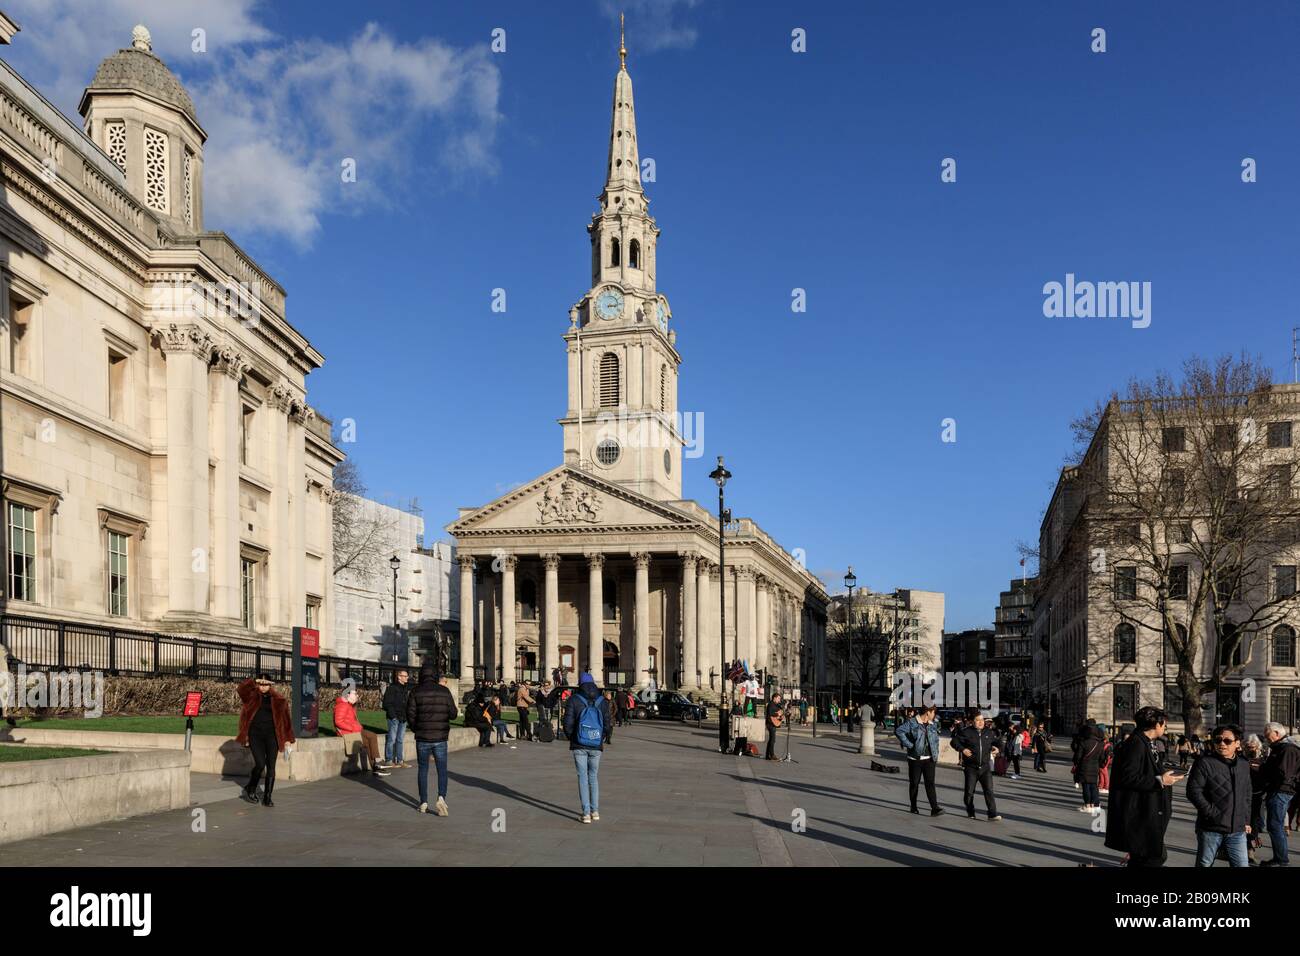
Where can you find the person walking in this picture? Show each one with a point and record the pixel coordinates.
(430, 709)
(394, 705)
(609, 701)
(919, 736)
(524, 700)
(773, 714)
(1219, 788)
(977, 743)
(1041, 748)
(1088, 746)
(586, 721)
(620, 708)
(266, 729)
(1281, 773)
(1015, 747)
(1141, 801)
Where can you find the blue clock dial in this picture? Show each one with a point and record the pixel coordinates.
(609, 303)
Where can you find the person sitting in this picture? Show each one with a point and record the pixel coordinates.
(349, 728)
(494, 710)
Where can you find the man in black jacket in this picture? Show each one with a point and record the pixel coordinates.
(1141, 802)
(1219, 788)
(977, 744)
(395, 710)
(1280, 774)
(430, 709)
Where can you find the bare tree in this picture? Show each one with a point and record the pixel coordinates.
(880, 637)
(1189, 518)
(362, 535)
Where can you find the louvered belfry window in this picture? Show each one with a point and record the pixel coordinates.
(609, 380)
(155, 170)
(663, 388)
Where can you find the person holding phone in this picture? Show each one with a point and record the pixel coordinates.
(919, 737)
(1141, 802)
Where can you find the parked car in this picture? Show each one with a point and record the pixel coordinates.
(670, 705)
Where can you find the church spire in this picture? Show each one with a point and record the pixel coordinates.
(622, 47)
(624, 167)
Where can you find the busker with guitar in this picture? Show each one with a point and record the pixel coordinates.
(775, 717)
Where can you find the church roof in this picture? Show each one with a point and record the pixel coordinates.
(138, 68)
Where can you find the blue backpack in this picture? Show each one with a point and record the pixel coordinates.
(591, 729)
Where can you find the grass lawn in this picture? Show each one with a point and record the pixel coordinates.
(10, 753)
(215, 725)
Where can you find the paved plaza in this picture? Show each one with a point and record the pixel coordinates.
(667, 798)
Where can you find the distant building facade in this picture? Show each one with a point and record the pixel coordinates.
(1012, 658)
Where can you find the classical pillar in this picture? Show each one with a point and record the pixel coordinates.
(466, 617)
(642, 640)
(296, 572)
(279, 399)
(706, 639)
(745, 615)
(596, 617)
(689, 665)
(550, 655)
(509, 662)
(763, 625)
(227, 425)
(189, 547)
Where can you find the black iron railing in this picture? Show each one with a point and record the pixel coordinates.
(41, 644)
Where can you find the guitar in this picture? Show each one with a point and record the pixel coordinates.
(777, 719)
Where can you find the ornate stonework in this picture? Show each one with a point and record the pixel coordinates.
(185, 338)
(568, 504)
(231, 363)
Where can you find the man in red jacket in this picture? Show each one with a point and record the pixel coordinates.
(350, 729)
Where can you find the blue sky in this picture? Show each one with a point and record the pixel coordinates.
(775, 170)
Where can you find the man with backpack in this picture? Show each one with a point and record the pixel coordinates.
(586, 722)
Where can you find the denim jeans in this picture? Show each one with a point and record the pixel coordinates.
(423, 750)
(1091, 796)
(393, 740)
(502, 729)
(1275, 804)
(588, 764)
(1207, 848)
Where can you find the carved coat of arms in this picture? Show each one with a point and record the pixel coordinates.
(568, 504)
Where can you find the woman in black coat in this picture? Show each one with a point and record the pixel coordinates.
(1140, 799)
(1088, 747)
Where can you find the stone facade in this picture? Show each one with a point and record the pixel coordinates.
(162, 467)
(600, 564)
(1012, 642)
(900, 630)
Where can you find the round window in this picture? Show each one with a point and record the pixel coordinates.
(668, 463)
(607, 451)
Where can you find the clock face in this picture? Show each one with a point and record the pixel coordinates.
(609, 303)
(662, 315)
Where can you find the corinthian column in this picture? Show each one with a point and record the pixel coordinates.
(745, 615)
(689, 665)
(550, 655)
(509, 648)
(642, 560)
(706, 638)
(227, 421)
(466, 616)
(762, 625)
(595, 616)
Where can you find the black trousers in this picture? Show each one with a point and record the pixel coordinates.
(985, 778)
(1148, 861)
(771, 741)
(916, 771)
(264, 749)
(1015, 764)
(525, 728)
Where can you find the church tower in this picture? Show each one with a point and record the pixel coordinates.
(622, 421)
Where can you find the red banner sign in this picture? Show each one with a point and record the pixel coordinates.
(310, 641)
(193, 700)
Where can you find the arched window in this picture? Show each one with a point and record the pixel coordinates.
(634, 254)
(663, 388)
(613, 252)
(1125, 644)
(1283, 646)
(527, 600)
(609, 380)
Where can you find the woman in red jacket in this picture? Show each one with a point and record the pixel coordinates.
(265, 729)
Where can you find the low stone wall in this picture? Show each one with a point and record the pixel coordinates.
(317, 758)
(45, 796)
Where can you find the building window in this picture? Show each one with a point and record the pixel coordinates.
(1173, 439)
(1283, 580)
(245, 431)
(21, 537)
(1176, 485)
(1125, 644)
(609, 380)
(1283, 706)
(1283, 646)
(1279, 434)
(1178, 582)
(1225, 586)
(1173, 700)
(610, 603)
(1125, 701)
(187, 185)
(528, 600)
(115, 140)
(116, 386)
(155, 171)
(247, 592)
(1126, 584)
(21, 338)
(607, 451)
(663, 388)
(1278, 482)
(1225, 437)
(634, 254)
(614, 257)
(118, 578)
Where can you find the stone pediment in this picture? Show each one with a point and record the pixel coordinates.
(567, 500)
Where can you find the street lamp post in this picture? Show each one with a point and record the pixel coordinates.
(1215, 660)
(720, 475)
(850, 582)
(1047, 707)
(395, 563)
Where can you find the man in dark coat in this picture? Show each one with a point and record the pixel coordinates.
(1219, 788)
(1141, 802)
(394, 703)
(430, 709)
(977, 742)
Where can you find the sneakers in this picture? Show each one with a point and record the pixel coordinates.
(594, 816)
(996, 818)
(424, 808)
(585, 818)
(381, 771)
(937, 812)
(440, 807)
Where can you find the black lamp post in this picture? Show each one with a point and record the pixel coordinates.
(850, 582)
(720, 475)
(395, 563)
(1217, 660)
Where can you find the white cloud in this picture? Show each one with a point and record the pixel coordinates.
(654, 25)
(282, 115)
